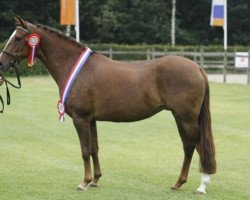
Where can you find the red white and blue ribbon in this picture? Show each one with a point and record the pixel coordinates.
(70, 80)
(33, 41)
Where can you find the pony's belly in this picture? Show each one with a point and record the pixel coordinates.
(128, 115)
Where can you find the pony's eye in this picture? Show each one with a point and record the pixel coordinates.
(18, 38)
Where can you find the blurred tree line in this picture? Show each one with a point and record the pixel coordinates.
(136, 21)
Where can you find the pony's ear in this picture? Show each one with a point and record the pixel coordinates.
(20, 22)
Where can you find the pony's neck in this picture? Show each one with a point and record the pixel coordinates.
(58, 55)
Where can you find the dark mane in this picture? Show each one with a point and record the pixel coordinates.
(60, 34)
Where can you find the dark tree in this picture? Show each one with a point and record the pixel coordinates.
(136, 21)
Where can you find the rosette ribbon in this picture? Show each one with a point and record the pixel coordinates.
(33, 41)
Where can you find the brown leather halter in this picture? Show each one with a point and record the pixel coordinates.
(13, 62)
(16, 56)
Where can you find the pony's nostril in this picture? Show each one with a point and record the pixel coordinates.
(1, 66)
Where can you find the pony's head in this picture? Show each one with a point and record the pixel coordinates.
(16, 48)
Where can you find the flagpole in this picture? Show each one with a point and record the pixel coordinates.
(225, 25)
(219, 18)
(225, 42)
(77, 26)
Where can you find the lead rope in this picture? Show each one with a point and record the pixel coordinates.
(1, 99)
(18, 86)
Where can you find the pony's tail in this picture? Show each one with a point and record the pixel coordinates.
(207, 160)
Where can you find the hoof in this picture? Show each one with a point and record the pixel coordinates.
(201, 189)
(175, 188)
(93, 184)
(200, 192)
(81, 187)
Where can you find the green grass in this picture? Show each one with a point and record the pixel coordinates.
(40, 157)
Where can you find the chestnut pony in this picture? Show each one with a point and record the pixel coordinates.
(107, 90)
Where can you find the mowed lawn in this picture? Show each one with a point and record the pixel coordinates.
(40, 158)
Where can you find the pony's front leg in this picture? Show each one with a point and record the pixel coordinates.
(94, 154)
(83, 129)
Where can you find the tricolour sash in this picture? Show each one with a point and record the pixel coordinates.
(70, 80)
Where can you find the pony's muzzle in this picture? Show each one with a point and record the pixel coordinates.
(5, 66)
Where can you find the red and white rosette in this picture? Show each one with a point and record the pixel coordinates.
(33, 41)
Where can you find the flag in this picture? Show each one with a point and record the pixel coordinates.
(68, 14)
(217, 13)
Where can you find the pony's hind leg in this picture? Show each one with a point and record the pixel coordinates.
(188, 153)
(94, 154)
(205, 178)
(189, 135)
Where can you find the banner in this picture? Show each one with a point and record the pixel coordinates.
(217, 13)
(67, 14)
(241, 59)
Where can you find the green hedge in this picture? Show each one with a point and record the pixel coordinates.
(39, 69)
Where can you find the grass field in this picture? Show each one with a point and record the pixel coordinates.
(40, 157)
